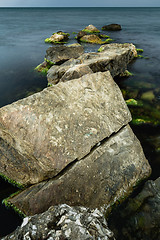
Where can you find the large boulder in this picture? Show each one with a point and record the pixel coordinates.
(113, 57)
(60, 54)
(44, 133)
(112, 27)
(106, 175)
(139, 218)
(64, 222)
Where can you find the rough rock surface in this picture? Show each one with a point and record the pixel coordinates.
(91, 29)
(80, 34)
(40, 135)
(113, 57)
(55, 73)
(112, 27)
(107, 174)
(60, 54)
(58, 37)
(76, 72)
(64, 222)
(140, 217)
(91, 39)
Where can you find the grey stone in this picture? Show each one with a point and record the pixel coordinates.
(106, 175)
(42, 134)
(91, 29)
(76, 72)
(113, 57)
(55, 73)
(60, 54)
(64, 222)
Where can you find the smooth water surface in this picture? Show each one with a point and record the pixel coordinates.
(22, 48)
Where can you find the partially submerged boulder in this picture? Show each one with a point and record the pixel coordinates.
(68, 120)
(80, 35)
(64, 222)
(106, 175)
(91, 29)
(112, 27)
(60, 54)
(113, 57)
(92, 39)
(58, 37)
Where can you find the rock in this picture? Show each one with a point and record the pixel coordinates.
(64, 222)
(140, 218)
(91, 39)
(58, 37)
(106, 175)
(60, 54)
(80, 34)
(149, 96)
(112, 27)
(76, 72)
(56, 72)
(91, 29)
(68, 120)
(113, 57)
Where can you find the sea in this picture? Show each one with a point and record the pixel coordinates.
(22, 48)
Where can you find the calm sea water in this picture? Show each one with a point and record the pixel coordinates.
(22, 48)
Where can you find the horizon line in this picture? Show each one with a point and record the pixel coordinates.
(79, 7)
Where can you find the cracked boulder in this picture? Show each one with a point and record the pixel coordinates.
(113, 57)
(44, 133)
(106, 175)
(64, 222)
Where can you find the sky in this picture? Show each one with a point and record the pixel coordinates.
(80, 3)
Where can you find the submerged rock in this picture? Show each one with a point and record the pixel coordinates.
(112, 27)
(92, 39)
(58, 37)
(91, 29)
(113, 57)
(60, 54)
(80, 35)
(140, 218)
(67, 120)
(106, 175)
(64, 222)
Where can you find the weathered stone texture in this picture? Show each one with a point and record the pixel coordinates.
(113, 57)
(42, 134)
(64, 222)
(107, 174)
(60, 54)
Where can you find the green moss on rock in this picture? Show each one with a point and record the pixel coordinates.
(139, 50)
(11, 181)
(8, 204)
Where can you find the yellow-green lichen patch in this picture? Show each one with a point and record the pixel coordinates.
(133, 102)
(126, 73)
(49, 40)
(44, 67)
(139, 50)
(90, 31)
